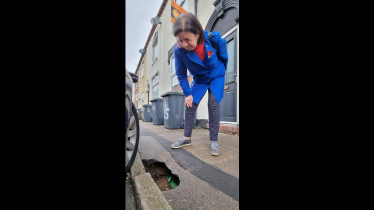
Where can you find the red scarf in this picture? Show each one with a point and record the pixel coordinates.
(200, 51)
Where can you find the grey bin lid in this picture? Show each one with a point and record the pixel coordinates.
(172, 93)
(145, 105)
(156, 99)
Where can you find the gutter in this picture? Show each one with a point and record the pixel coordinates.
(195, 7)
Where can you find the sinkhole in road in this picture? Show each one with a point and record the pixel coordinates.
(161, 174)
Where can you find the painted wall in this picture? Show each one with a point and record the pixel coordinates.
(142, 82)
(150, 73)
(205, 9)
(153, 67)
(168, 41)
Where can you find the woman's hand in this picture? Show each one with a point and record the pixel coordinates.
(189, 101)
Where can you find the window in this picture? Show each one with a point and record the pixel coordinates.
(142, 98)
(155, 80)
(155, 44)
(174, 78)
(143, 69)
(231, 52)
(155, 86)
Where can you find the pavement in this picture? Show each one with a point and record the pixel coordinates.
(206, 181)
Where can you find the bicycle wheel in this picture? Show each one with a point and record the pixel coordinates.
(132, 140)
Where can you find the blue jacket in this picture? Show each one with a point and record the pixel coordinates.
(209, 73)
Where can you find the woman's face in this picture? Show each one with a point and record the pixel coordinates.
(188, 40)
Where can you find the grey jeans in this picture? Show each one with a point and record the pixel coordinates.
(214, 116)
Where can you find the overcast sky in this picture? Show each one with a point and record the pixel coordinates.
(138, 25)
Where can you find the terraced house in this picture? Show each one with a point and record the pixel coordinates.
(143, 93)
(159, 65)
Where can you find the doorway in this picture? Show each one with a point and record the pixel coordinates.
(228, 106)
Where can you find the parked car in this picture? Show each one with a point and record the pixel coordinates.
(131, 122)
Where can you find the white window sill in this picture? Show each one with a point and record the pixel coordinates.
(155, 85)
(154, 61)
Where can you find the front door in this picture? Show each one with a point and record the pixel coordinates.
(228, 103)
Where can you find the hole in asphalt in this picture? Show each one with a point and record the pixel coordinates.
(161, 174)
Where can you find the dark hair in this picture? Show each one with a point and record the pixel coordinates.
(188, 22)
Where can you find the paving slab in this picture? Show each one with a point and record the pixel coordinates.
(201, 149)
(228, 141)
(173, 135)
(230, 167)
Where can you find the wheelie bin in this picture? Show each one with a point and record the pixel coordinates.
(147, 113)
(157, 111)
(139, 110)
(173, 109)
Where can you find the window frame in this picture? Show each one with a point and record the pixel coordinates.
(172, 75)
(155, 44)
(156, 83)
(231, 38)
